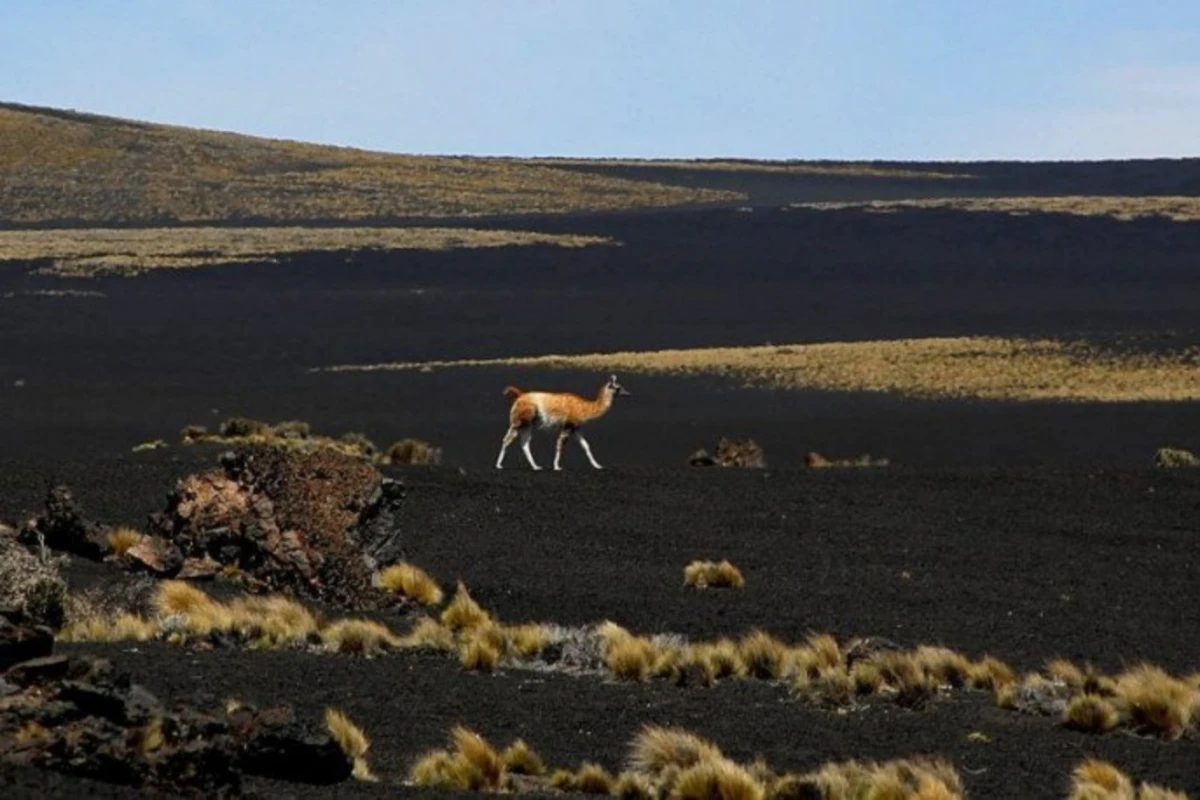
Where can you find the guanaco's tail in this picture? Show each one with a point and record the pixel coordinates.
(513, 392)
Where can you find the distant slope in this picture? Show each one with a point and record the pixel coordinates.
(65, 167)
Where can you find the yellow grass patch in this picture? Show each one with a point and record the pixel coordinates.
(719, 574)
(990, 673)
(352, 740)
(849, 169)
(990, 368)
(105, 170)
(90, 252)
(478, 754)
(1176, 208)
(412, 582)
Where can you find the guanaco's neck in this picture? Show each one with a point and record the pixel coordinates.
(601, 404)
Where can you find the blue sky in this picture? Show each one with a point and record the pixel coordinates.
(889, 79)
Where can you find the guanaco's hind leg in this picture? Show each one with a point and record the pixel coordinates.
(563, 436)
(509, 438)
(588, 450)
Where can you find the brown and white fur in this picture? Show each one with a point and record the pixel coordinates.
(563, 411)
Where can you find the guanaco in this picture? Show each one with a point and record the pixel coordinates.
(563, 411)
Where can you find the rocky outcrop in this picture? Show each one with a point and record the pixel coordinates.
(74, 715)
(64, 527)
(318, 523)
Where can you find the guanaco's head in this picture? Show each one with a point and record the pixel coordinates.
(614, 388)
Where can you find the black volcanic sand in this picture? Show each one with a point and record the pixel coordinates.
(1095, 566)
(1027, 531)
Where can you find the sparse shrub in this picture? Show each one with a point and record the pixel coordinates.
(705, 574)
(412, 451)
(1154, 702)
(1087, 712)
(352, 740)
(32, 583)
(439, 770)
(520, 759)
(412, 582)
(832, 686)
(194, 433)
(243, 427)
(464, 613)
(293, 429)
(1175, 458)
(122, 539)
(358, 443)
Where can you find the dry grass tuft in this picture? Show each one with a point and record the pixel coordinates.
(412, 451)
(412, 582)
(359, 636)
(1093, 778)
(122, 539)
(592, 778)
(717, 778)
(520, 759)
(990, 673)
(431, 634)
(479, 653)
(1090, 713)
(703, 574)
(479, 755)
(527, 640)
(762, 655)
(1154, 702)
(352, 740)
(655, 749)
(438, 770)
(630, 658)
(633, 786)
(464, 613)
(988, 368)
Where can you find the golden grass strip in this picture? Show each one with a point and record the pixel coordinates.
(847, 169)
(980, 367)
(101, 251)
(1177, 208)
